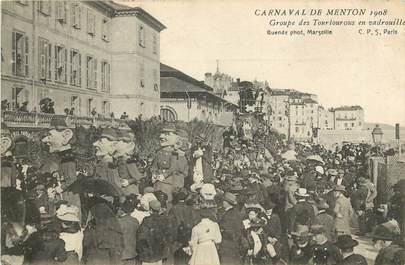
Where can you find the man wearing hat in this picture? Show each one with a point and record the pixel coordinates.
(387, 242)
(343, 211)
(202, 159)
(346, 245)
(230, 223)
(59, 138)
(324, 219)
(302, 213)
(301, 250)
(324, 251)
(127, 164)
(106, 167)
(165, 170)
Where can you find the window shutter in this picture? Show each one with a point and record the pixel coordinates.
(26, 55)
(56, 63)
(78, 15)
(79, 69)
(108, 78)
(14, 53)
(49, 58)
(74, 15)
(95, 73)
(65, 65)
(87, 72)
(103, 76)
(71, 67)
(42, 59)
(26, 95)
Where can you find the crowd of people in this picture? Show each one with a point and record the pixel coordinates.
(257, 199)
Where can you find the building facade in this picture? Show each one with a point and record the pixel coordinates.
(97, 57)
(348, 117)
(185, 98)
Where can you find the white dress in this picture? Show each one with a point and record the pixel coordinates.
(204, 236)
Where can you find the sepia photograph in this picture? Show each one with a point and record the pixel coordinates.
(206, 132)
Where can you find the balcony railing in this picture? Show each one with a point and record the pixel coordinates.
(345, 119)
(43, 120)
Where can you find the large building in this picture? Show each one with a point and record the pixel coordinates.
(348, 117)
(298, 115)
(93, 56)
(185, 98)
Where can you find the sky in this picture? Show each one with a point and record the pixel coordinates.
(345, 68)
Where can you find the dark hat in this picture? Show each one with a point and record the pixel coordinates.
(269, 205)
(60, 122)
(231, 198)
(346, 241)
(302, 231)
(253, 207)
(168, 127)
(181, 194)
(110, 134)
(128, 206)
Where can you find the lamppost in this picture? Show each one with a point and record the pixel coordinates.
(377, 134)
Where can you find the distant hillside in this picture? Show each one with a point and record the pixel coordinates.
(383, 126)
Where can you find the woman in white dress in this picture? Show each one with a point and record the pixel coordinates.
(204, 236)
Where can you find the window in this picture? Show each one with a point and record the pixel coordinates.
(155, 44)
(61, 11)
(105, 77)
(345, 124)
(45, 59)
(90, 106)
(297, 129)
(43, 93)
(75, 102)
(76, 16)
(91, 23)
(359, 123)
(20, 53)
(75, 68)
(105, 109)
(91, 72)
(352, 124)
(60, 64)
(105, 30)
(44, 7)
(279, 118)
(141, 36)
(19, 96)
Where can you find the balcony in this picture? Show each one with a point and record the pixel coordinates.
(345, 119)
(18, 119)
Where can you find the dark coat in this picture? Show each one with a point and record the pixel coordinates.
(273, 227)
(300, 256)
(154, 238)
(326, 254)
(183, 218)
(354, 259)
(328, 223)
(302, 213)
(230, 223)
(129, 227)
(127, 169)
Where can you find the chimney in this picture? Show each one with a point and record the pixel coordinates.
(238, 81)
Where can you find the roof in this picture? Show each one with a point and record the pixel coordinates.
(347, 108)
(176, 84)
(310, 101)
(168, 71)
(114, 9)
